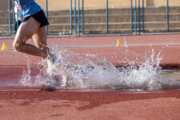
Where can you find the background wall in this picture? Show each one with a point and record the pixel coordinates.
(65, 4)
(3, 4)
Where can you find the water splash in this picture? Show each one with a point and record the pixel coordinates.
(29, 80)
(90, 72)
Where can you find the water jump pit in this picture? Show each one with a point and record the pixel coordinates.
(132, 63)
(90, 73)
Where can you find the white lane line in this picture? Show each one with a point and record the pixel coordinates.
(129, 45)
(101, 46)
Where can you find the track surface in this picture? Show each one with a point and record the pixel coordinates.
(74, 105)
(32, 104)
(133, 49)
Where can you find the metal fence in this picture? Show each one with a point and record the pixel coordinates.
(80, 17)
(156, 18)
(5, 20)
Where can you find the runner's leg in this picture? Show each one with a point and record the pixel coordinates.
(27, 30)
(40, 39)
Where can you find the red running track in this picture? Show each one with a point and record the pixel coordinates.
(103, 105)
(134, 49)
(32, 104)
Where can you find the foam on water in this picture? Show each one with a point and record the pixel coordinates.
(89, 72)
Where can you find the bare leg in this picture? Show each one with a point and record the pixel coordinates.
(26, 30)
(31, 28)
(40, 40)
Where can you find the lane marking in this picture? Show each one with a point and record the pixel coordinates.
(101, 46)
(130, 45)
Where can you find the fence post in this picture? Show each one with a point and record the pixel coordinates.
(10, 18)
(135, 17)
(13, 20)
(107, 17)
(143, 14)
(131, 16)
(82, 16)
(71, 16)
(139, 16)
(75, 17)
(47, 15)
(78, 17)
(167, 15)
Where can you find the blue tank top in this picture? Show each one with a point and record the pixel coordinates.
(29, 7)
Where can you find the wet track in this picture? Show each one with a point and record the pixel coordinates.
(18, 102)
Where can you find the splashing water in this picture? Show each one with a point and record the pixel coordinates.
(89, 72)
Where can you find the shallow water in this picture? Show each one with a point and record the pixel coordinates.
(91, 73)
(163, 80)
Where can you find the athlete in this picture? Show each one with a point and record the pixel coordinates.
(18, 15)
(33, 26)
